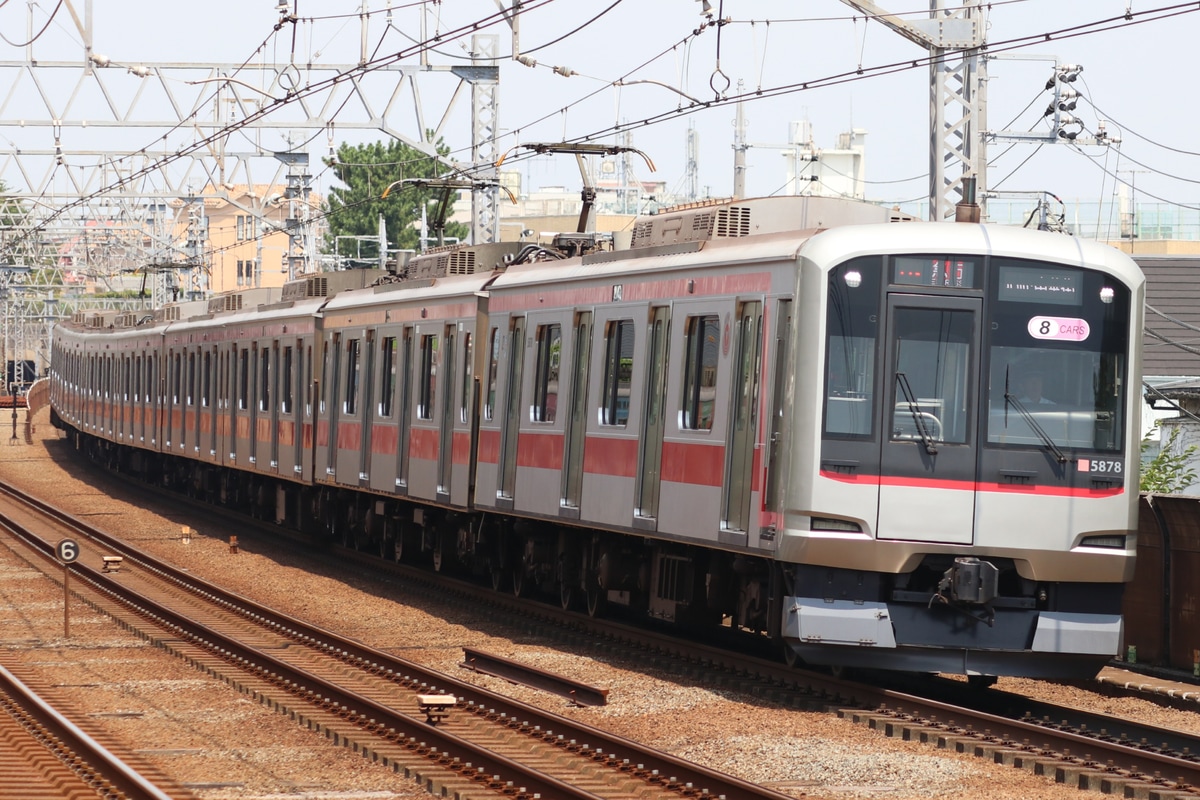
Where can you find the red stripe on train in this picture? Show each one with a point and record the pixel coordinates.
(973, 486)
(540, 450)
(698, 464)
(617, 457)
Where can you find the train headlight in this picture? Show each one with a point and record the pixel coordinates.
(853, 278)
(1107, 294)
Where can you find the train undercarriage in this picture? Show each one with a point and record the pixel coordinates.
(592, 570)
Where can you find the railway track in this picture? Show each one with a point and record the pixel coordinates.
(1088, 751)
(452, 737)
(43, 754)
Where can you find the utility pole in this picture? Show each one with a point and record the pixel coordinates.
(957, 96)
(739, 150)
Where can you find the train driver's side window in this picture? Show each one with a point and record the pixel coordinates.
(850, 348)
(618, 372)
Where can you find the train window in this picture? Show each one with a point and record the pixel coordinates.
(545, 385)
(137, 378)
(353, 365)
(264, 379)
(244, 380)
(702, 336)
(489, 407)
(464, 405)
(127, 376)
(176, 378)
(851, 333)
(286, 383)
(324, 377)
(191, 379)
(388, 371)
(933, 358)
(206, 381)
(618, 372)
(308, 370)
(428, 376)
(1056, 355)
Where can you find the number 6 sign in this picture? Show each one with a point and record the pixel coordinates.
(67, 551)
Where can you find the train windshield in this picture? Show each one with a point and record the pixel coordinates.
(1056, 374)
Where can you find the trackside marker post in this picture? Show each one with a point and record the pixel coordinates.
(67, 551)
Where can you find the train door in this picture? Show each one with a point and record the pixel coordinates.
(273, 389)
(211, 359)
(572, 481)
(367, 407)
(779, 396)
(446, 423)
(331, 386)
(931, 355)
(301, 400)
(405, 411)
(743, 423)
(650, 455)
(512, 412)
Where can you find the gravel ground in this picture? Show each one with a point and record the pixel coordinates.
(223, 746)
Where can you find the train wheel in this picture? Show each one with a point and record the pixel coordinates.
(518, 580)
(595, 600)
(398, 545)
(566, 595)
(438, 556)
(496, 571)
(790, 657)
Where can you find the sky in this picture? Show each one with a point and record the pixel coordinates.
(1134, 78)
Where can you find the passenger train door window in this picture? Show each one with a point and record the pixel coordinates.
(494, 342)
(353, 354)
(427, 388)
(468, 385)
(545, 382)
(287, 382)
(618, 372)
(388, 376)
(702, 346)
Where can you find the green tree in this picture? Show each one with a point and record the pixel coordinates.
(365, 172)
(1169, 471)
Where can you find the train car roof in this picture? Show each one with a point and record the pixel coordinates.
(414, 291)
(839, 244)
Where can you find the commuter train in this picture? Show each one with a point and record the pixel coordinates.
(880, 442)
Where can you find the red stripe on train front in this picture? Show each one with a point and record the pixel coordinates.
(973, 486)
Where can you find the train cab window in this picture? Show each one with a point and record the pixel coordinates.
(618, 372)
(353, 365)
(545, 387)
(388, 373)
(852, 330)
(427, 389)
(702, 341)
(286, 383)
(933, 371)
(1056, 374)
(464, 406)
(264, 379)
(489, 406)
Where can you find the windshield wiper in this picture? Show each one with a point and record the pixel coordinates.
(915, 410)
(1010, 398)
